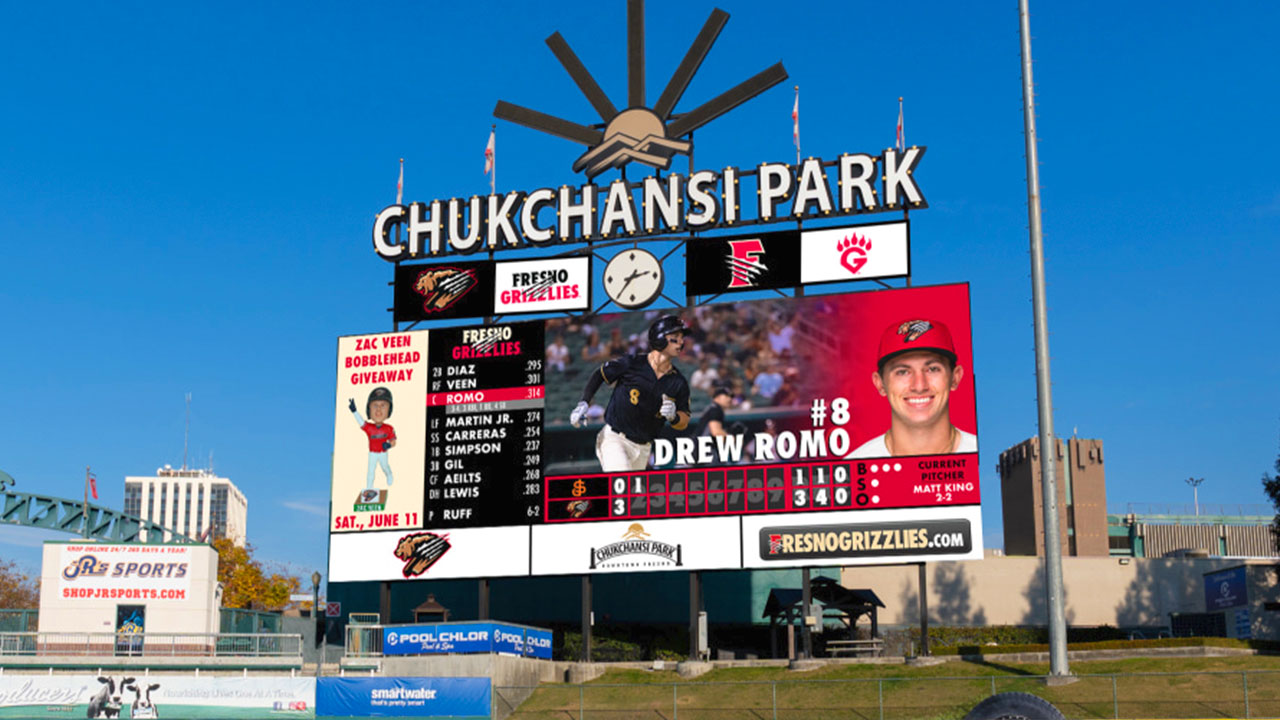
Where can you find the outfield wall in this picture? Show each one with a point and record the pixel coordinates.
(1121, 592)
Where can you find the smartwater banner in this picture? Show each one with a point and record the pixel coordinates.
(125, 695)
(403, 697)
(466, 638)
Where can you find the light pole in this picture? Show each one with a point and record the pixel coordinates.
(1195, 492)
(319, 617)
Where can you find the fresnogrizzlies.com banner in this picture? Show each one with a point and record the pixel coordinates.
(838, 403)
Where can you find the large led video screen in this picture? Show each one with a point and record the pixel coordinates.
(823, 430)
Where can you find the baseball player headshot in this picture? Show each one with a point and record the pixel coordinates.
(917, 372)
(648, 392)
(382, 437)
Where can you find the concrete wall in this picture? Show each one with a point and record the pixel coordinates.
(1099, 591)
(176, 601)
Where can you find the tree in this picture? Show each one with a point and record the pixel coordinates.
(1271, 486)
(245, 584)
(18, 591)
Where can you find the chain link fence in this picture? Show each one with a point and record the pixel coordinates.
(1253, 694)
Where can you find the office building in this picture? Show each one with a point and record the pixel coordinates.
(1082, 498)
(193, 503)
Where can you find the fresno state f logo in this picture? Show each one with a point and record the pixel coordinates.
(744, 263)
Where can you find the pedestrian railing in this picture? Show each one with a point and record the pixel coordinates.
(1251, 694)
(64, 644)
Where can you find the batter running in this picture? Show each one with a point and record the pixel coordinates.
(648, 390)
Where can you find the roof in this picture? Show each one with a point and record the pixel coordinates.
(826, 591)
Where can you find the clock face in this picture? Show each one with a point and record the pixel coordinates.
(633, 278)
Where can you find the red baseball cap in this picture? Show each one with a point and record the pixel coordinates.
(917, 334)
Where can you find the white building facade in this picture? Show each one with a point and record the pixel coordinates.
(189, 502)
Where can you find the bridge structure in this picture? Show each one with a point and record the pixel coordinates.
(37, 510)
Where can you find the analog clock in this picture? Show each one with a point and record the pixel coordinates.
(633, 278)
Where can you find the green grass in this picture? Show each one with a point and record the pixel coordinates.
(1193, 688)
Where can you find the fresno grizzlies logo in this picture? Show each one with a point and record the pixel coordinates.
(420, 551)
(443, 287)
(911, 330)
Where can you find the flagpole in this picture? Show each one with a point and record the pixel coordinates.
(900, 141)
(493, 177)
(84, 514)
(795, 119)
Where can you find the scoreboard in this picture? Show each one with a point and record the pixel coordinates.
(803, 487)
(468, 473)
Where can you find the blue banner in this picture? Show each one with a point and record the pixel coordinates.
(403, 697)
(537, 643)
(438, 639)
(466, 638)
(508, 640)
(1225, 589)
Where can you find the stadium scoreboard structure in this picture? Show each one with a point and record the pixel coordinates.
(454, 454)
(487, 482)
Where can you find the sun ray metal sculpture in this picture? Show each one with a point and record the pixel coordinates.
(650, 136)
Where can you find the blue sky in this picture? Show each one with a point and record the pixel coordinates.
(186, 193)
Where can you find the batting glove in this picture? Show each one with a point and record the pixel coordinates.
(578, 414)
(351, 404)
(668, 409)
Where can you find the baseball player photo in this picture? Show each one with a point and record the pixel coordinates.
(917, 372)
(382, 437)
(648, 392)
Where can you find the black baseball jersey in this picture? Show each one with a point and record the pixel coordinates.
(715, 412)
(637, 396)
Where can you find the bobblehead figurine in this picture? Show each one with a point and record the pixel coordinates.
(382, 437)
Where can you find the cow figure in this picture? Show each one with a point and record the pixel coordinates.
(106, 702)
(142, 706)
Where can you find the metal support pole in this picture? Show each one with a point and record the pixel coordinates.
(880, 691)
(84, 509)
(580, 704)
(384, 603)
(1244, 680)
(483, 590)
(316, 614)
(923, 585)
(1115, 698)
(993, 685)
(675, 701)
(586, 618)
(1044, 399)
(775, 699)
(806, 599)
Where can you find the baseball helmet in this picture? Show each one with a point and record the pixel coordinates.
(911, 335)
(664, 326)
(378, 393)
